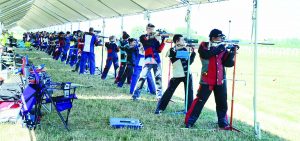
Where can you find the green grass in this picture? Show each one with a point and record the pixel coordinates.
(277, 105)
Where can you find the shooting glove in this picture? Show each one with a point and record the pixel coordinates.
(233, 48)
(163, 39)
(221, 48)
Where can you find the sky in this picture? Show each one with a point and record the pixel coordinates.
(277, 19)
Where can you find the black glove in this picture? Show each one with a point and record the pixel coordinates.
(221, 47)
(163, 39)
(107, 44)
(172, 53)
(234, 47)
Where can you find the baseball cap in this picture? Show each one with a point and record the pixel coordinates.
(150, 25)
(216, 33)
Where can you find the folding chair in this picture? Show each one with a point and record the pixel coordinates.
(63, 102)
(31, 108)
(32, 101)
(39, 92)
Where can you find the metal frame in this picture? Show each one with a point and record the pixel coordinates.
(88, 9)
(16, 5)
(15, 13)
(3, 17)
(145, 9)
(110, 7)
(51, 11)
(2, 3)
(58, 18)
(13, 18)
(188, 24)
(21, 6)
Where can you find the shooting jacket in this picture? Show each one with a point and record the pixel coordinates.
(90, 40)
(112, 50)
(122, 50)
(180, 65)
(213, 60)
(152, 47)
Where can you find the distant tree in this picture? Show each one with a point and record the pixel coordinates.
(194, 35)
(137, 31)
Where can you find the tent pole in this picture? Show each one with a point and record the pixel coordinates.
(79, 26)
(102, 53)
(229, 28)
(122, 23)
(65, 27)
(256, 123)
(188, 21)
(71, 27)
(103, 28)
(147, 16)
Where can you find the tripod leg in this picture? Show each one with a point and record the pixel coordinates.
(233, 84)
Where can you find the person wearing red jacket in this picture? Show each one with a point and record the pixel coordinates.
(214, 58)
(61, 44)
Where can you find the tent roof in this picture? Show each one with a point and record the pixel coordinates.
(12, 11)
(30, 14)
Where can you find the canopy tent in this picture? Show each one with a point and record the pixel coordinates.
(37, 14)
(44, 13)
(12, 11)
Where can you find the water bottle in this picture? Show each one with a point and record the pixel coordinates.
(67, 88)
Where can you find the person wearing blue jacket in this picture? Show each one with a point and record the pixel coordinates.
(72, 55)
(112, 56)
(139, 63)
(66, 47)
(90, 40)
(131, 56)
(152, 46)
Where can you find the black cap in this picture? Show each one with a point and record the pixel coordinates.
(131, 40)
(150, 25)
(91, 29)
(125, 35)
(216, 33)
